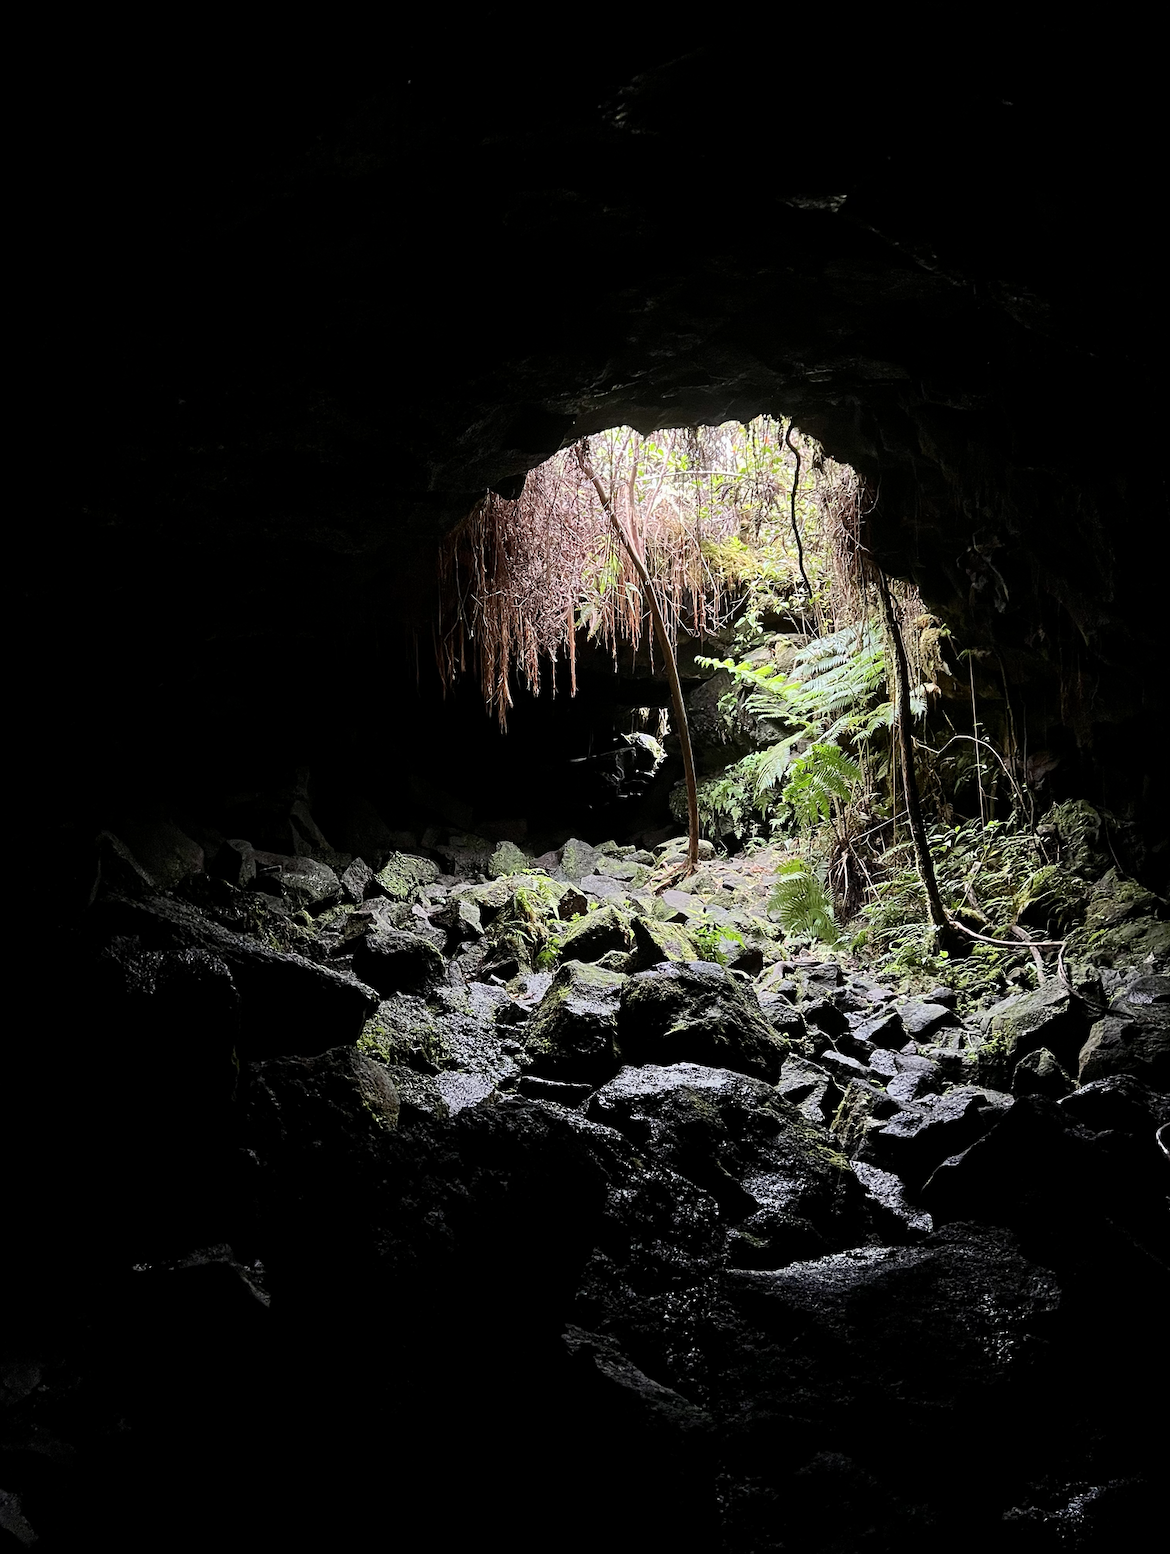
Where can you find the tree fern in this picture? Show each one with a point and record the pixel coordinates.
(821, 775)
(800, 902)
(828, 692)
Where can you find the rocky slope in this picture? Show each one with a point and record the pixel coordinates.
(340, 1216)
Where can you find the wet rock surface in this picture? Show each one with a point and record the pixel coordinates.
(758, 1234)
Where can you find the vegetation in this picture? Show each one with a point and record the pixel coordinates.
(750, 536)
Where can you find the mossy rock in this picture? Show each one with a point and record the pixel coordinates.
(696, 1012)
(507, 859)
(655, 942)
(403, 875)
(596, 934)
(1116, 898)
(1052, 898)
(578, 859)
(1139, 941)
(573, 1034)
(1048, 1017)
(403, 1030)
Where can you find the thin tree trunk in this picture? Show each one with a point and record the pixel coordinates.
(938, 913)
(664, 647)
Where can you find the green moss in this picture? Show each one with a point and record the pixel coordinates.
(507, 859)
(403, 1030)
(404, 874)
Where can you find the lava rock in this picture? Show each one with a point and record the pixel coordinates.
(1134, 1038)
(572, 1036)
(303, 881)
(923, 1133)
(287, 1004)
(693, 1011)
(235, 862)
(891, 1209)
(1040, 1074)
(554, 1090)
(950, 1316)
(810, 1088)
(920, 1020)
(1048, 1017)
(655, 942)
(886, 1030)
(1085, 1199)
(357, 882)
(774, 1175)
(596, 934)
(402, 875)
(396, 962)
(577, 859)
(1118, 1103)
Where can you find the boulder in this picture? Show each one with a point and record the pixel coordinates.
(395, 962)
(1093, 1201)
(165, 851)
(1118, 1103)
(1048, 1017)
(577, 859)
(912, 1138)
(655, 942)
(1040, 1074)
(774, 1175)
(461, 918)
(301, 880)
(287, 1004)
(507, 859)
(1134, 1038)
(357, 882)
(600, 887)
(920, 1020)
(890, 1208)
(572, 1036)
(883, 1030)
(1121, 1046)
(864, 1108)
(596, 934)
(451, 1033)
(949, 1318)
(235, 862)
(810, 1088)
(402, 875)
(693, 1011)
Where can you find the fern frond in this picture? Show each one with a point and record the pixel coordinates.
(821, 775)
(800, 902)
(771, 767)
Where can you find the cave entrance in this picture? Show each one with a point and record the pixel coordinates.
(744, 531)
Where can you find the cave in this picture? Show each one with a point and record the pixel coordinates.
(312, 324)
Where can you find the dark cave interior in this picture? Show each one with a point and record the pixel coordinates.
(308, 328)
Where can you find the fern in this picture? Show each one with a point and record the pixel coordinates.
(768, 768)
(832, 683)
(800, 902)
(821, 775)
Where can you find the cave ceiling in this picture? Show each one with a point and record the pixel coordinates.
(314, 327)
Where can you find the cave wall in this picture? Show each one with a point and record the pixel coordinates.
(314, 326)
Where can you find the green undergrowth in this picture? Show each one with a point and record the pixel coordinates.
(990, 875)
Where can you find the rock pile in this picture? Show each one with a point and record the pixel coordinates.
(506, 1162)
